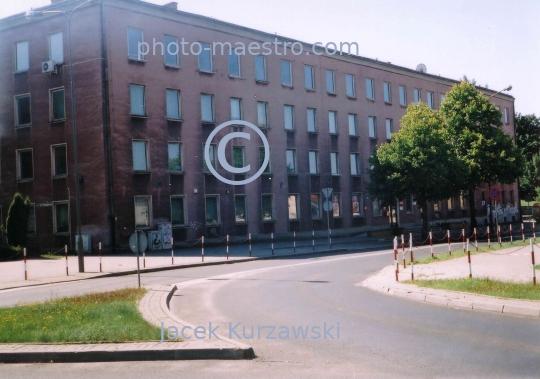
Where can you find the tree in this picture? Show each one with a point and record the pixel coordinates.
(418, 161)
(528, 140)
(17, 221)
(477, 139)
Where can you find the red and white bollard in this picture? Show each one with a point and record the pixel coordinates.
(499, 235)
(202, 248)
(227, 247)
(25, 272)
(172, 251)
(511, 236)
(272, 241)
(144, 259)
(396, 257)
(469, 259)
(489, 239)
(412, 256)
(99, 250)
(249, 241)
(533, 264)
(65, 253)
(431, 242)
(294, 242)
(534, 230)
(522, 233)
(313, 240)
(475, 239)
(449, 243)
(403, 250)
(463, 239)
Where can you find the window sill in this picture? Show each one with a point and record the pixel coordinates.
(292, 174)
(141, 172)
(173, 66)
(175, 119)
(295, 220)
(145, 227)
(336, 174)
(23, 126)
(352, 97)
(331, 93)
(290, 130)
(139, 116)
(59, 121)
(387, 103)
(208, 122)
(286, 86)
(334, 134)
(358, 216)
(264, 82)
(132, 59)
(356, 175)
(25, 180)
(313, 132)
(241, 222)
(21, 72)
(373, 138)
(66, 234)
(205, 72)
(267, 174)
(269, 221)
(179, 226)
(368, 99)
(315, 173)
(235, 77)
(176, 172)
(353, 136)
(311, 90)
(60, 177)
(212, 225)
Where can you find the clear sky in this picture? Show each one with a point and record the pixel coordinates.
(495, 42)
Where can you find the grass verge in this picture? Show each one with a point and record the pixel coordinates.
(96, 317)
(439, 257)
(484, 286)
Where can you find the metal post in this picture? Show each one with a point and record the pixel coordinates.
(403, 251)
(449, 246)
(499, 234)
(534, 230)
(227, 247)
(172, 251)
(65, 253)
(144, 259)
(489, 240)
(330, 237)
(412, 255)
(249, 239)
(431, 242)
(511, 236)
(100, 267)
(533, 264)
(463, 238)
(475, 239)
(294, 242)
(469, 259)
(138, 265)
(313, 240)
(522, 233)
(272, 242)
(396, 258)
(25, 272)
(202, 248)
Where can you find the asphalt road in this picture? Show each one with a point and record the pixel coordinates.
(379, 337)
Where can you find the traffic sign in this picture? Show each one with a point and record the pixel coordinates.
(327, 192)
(138, 242)
(327, 205)
(495, 193)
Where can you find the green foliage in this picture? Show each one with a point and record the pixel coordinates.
(528, 140)
(17, 221)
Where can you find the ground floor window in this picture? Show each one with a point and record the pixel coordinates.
(61, 217)
(267, 202)
(178, 215)
(357, 205)
(336, 204)
(315, 206)
(212, 210)
(293, 207)
(240, 208)
(142, 211)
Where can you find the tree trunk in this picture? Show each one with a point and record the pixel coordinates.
(472, 208)
(423, 206)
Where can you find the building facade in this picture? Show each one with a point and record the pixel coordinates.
(142, 122)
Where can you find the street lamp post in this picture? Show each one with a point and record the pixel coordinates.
(32, 15)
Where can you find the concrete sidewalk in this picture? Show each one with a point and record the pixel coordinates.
(512, 264)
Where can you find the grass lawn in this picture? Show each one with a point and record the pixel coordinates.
(51, 256)
(459, 253)
(484, 287)
(92, 318)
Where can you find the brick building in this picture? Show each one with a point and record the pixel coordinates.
(142, 122)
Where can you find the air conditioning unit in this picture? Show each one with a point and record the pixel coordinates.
(48, 67)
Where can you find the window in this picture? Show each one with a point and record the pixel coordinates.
(140, 155)
(262, 114)
(336, 205)
(23, 114)
(212, 154)
(135, 37)
(171, 51)
(212, 209)
(311, 120)
(286, 73)
(25, 164)
(352, 125)
(350, 86)
(437, 206)
(56, 47)
(503, 197)
(58, 106)
(372, 121)
(430, 100)
(234, 63)
(370, 89)
(462, 204)
(408, 204)
(262, 155)
(143, 211)
(294, 213)
(260, 68)
(240, 208)
(330, 81)
(178, 210)
(173, 104)
(332, 122)
(355, 163)
(61, 217)
(31, 219)
(207, 108)
(236, 108)
(288, 111)
(512, 197)
(205, 58)
(309, 77)
(334, 163)
(138, 100)
(175, 157)
(417, 96)
(291, 161)
(315, 206)
(442, 97)
(22, 57)
(357, 205)
(387, 90)
(389, 128)
(238, 156)
(267, 207)
(59, 161)
(506, 116)
(403, 96)
(377, 211)
(313, 162)
(450, 203)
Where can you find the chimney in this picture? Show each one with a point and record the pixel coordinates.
(172, 5)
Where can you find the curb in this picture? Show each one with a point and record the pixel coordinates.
(382, 282)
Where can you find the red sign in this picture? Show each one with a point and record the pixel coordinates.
(495, 193)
